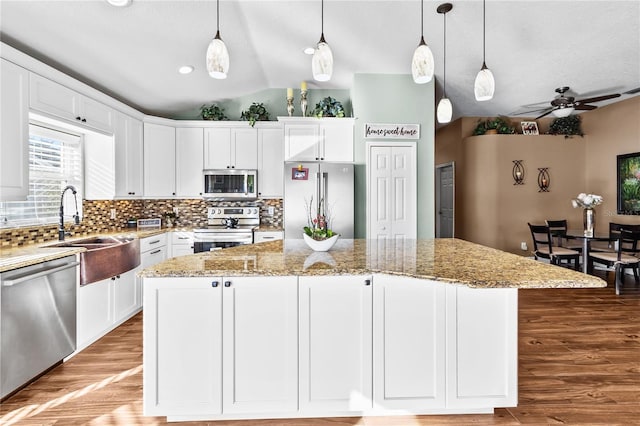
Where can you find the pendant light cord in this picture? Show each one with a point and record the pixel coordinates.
(322, 17)
(422, 19)
(218, 15)
(484, 31)
(444, 82)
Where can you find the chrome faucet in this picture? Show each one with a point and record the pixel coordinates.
(76, 216)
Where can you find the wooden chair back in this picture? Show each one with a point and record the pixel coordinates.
(541, 238)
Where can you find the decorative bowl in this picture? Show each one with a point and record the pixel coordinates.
(320, 245)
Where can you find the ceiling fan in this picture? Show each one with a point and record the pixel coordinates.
(563, 105)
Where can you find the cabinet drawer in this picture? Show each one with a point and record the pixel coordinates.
(181, 237)
(261, 236)
(154, 242)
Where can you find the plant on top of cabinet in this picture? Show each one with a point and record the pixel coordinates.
(256, 112)
(501, 125)
(212, 112)
(566, 126)
(328, 107)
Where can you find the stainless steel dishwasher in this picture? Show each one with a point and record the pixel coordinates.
(37, 320)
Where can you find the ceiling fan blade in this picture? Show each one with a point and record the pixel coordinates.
(632, 91)
(546, 113)
(528, 111)
(584, 107)
(598, 98)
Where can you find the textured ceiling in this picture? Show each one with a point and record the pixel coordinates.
(133, 53)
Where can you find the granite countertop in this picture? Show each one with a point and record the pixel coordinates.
(449, 260)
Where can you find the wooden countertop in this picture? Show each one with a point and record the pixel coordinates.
(450, 260)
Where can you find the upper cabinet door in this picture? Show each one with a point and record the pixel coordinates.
(189, 148)
(336, 142)
(270, 163)
(14, 132)
(159, 160)
(244, 148)
(53, 98)
(301, 142)
(129, 162)
(96, 115)
(217, 148)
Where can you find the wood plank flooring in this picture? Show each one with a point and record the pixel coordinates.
(579, 364)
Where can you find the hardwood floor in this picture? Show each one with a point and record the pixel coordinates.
(579, 364)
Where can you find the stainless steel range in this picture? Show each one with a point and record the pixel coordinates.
(227, 227)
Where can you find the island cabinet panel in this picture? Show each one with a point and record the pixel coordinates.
(482, 342)
(183, 346)
(409, 358)
(335, 343)
(260, 344)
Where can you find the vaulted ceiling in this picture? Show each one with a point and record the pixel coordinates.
(133, 53)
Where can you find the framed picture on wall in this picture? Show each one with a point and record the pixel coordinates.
(298, 173)
(529, 127)
(628, 181)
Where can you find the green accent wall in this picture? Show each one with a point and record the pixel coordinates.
(275, 100)
(395, 98)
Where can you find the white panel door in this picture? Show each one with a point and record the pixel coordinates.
(335, 343)
(482, 340)
(244, 147)
(95, 311)
(444, 200)
(260, 341)
(189, 162)
(14, 132)
(159, 160)
(392, 192)
(182, 341)
(217, 148)
(409, 343)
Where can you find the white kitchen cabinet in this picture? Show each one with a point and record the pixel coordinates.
(99, 167)
(181, 243)
(153, 250)
(126, 298)
(231, 148)
(262, 236)
(94, 312)
(14, 132)
(409, 363)
(260, 344)
(183, 346)
(189, 163)
(129, 157)
(319, 139)
(482, 332)
(336, 347)
(271, 163)
(55, 99)
(159, 160)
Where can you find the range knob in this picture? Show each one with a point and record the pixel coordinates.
(219, 211)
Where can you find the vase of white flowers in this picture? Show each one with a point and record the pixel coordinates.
(588, 203)
(318, 234)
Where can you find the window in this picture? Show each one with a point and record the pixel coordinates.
(55, 161)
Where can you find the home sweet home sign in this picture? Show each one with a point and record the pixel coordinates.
(391, 131)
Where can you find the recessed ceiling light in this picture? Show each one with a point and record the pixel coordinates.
(185, 69)
(309, 50)
(119, 3)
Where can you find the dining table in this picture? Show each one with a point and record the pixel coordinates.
(586, 243)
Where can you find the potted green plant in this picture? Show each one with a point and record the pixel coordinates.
(567, 126)
(256, 112)
(500, 124)
(212, 112)
(328, 107)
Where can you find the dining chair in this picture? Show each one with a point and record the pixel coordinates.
(625, 256)
(614, 236)
(558, 229)
(543, 247)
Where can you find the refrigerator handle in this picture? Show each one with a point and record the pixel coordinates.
(318, 188)
(325, 195)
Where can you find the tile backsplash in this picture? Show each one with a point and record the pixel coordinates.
(97, 217)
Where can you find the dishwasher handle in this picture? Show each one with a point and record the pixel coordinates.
(9, 283)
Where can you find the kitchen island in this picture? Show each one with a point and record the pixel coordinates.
(373, 327)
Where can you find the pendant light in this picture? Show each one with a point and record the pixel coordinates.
(217, 53)
(322, 62)
(485, 84)
(445, 109)
(422, 62)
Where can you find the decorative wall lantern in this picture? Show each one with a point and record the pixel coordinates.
(543, 179)
(518, 172)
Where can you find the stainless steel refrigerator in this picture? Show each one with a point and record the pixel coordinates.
(331, 182)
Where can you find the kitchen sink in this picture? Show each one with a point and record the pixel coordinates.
(106, 257)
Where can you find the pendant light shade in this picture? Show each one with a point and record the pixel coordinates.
(422, 63)
(445, 111)
(217, 53)
(485, 84)
(322, 62)
(445, 108)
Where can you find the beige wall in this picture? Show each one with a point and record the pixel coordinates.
(490, 210)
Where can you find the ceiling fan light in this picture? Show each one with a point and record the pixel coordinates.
(485, 84)
(322, 62)
(217, 58)
(422, 64)
(562, 112)
(445, 111)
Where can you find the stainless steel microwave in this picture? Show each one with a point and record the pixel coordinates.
(230, 184)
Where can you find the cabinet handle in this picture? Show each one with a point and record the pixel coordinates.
(154, 242)
(214, 284)
(84, 120)
(227, 283)
(78, 118)
(155, 251)
(183, 238)
(322, 158)
(367, 282)
(317, 158)
(228, 167)
(233, 167)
